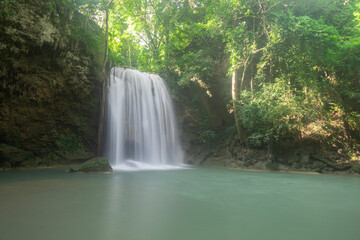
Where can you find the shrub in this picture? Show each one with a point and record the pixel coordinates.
(274, 113)
(69, 143)
(207, 136)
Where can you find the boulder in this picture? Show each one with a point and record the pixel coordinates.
(99, 164)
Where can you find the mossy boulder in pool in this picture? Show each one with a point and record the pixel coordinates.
(99, 164)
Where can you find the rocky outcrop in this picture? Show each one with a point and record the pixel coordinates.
(231, 153)
(99, 164)
(49, 80)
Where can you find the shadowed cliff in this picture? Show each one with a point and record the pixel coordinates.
(50, 83)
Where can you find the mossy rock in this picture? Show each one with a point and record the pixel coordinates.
(99, 164)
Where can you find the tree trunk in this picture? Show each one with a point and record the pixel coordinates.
(234, 95)
(103, 92)
(106, 36)
(235, 98)
(130, 55)
(101, 120)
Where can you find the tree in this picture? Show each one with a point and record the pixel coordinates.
(294, 61)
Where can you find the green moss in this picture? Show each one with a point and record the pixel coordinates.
(99, 164)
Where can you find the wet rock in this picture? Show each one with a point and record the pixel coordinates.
(273, 166)
(304, 157)
(99, 164)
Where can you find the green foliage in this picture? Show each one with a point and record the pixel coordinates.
(297, 60)
(207, 136)
(270, 114)
(69, 143)
(92, 9)
(8, 8)
(356, 169)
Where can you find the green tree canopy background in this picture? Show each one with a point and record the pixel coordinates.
(287, 70)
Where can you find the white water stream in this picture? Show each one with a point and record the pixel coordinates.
(141, 125)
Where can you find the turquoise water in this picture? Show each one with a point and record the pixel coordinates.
(192, 204)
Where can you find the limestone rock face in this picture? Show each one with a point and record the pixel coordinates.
(49, 78)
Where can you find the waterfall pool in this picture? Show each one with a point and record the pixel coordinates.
(188, 204)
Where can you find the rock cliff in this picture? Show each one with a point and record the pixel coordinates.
(50, 84)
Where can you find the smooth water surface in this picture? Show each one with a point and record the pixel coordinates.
(192, 204)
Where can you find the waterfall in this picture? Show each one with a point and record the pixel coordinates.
(141, 125)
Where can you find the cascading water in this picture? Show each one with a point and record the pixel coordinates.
(141, 125)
